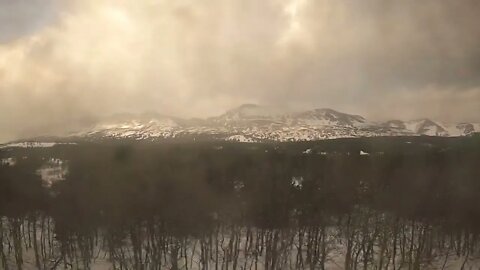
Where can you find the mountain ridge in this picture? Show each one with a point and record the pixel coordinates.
(255, 123)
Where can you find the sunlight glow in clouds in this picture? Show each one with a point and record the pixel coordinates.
(294, 28)
(292, 10)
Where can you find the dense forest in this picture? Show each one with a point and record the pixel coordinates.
(369, 203)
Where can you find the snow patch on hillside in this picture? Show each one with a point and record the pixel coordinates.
(240, 138)
(8, 161)
(52, 171)
(32, 145)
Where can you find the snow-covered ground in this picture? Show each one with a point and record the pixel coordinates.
(240, 138)
(31, 145)
(245, 248)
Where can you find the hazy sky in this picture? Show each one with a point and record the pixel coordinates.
(65, 62)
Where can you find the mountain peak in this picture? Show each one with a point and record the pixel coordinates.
(249, 112)
(248, 106)
(326, 116)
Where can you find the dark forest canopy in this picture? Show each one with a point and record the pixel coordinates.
(412, 176)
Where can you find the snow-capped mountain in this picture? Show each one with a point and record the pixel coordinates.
(250, 123)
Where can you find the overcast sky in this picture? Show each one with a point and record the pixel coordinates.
(66, 62)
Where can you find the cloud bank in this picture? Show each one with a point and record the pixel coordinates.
(71, 62)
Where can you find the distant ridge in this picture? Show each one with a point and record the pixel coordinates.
(255, 123)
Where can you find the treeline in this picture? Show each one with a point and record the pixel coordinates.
(263, 184)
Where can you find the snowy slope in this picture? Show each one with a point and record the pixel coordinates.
(253, 123)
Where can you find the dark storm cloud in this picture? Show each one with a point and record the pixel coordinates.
(382, 59)
(359, 54)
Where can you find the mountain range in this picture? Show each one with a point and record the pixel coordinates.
(255, 123)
